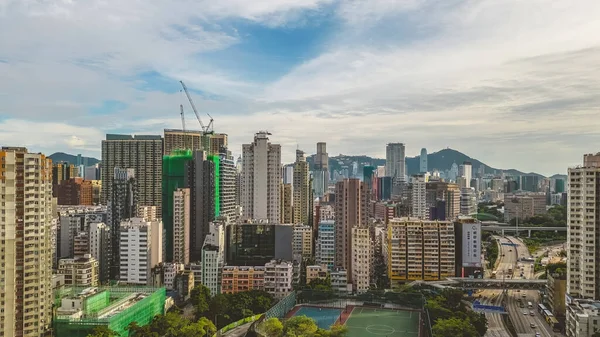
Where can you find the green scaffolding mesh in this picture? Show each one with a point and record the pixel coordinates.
(125, 305)
(217, 161)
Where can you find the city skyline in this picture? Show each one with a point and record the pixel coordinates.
(309, 71)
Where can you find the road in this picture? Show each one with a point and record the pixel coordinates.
(522, 318)
(507, 260)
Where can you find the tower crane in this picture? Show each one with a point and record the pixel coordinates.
(182, 118)
(205, 129)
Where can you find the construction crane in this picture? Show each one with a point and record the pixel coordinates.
(182, 118)
(205, 129)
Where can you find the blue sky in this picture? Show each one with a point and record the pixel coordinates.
(512, 83)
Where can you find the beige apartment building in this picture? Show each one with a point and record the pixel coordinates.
(179, 139)
(361, 259)
(448, 192)
(26, 259)
(419, 250)
(583, 222)
(181, 225)
(301, 191)
(236, 279)
(302, 243)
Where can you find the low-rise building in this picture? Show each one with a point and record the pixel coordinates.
(278, 278)
(339, 280)
(170, 270)
(184, 283)
(236, 279)
(316, 272)
(583, 318)
(81, 271)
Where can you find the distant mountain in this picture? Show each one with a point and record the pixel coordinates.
(72, 159)
(441, 160)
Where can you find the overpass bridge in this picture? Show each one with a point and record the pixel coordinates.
(508, 228)
(472, 283)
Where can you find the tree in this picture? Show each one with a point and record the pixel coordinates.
(102, 331)
(200, 299)
(272, 327)
(454, 327)
(299, 326)
(203, 327)
(218, 310)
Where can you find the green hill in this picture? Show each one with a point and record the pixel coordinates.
(71, 159)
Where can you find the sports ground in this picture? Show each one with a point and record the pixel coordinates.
(365, 322)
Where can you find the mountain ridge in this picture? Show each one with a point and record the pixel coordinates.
(58, 157)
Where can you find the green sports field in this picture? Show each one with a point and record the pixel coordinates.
(369, 322)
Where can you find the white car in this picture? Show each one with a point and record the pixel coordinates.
(525, 313)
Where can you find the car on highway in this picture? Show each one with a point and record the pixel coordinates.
(532, 325)
(531, 313)
(537, 334)
(525, 312)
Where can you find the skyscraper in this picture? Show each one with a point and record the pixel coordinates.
(100, 243)
(122, 205)
(261, 177)
(583, 270)
(321, 170)
(351, 210)
(300, 189)
(141, 153)
(423, 160)
(227, 184)
(201, 177)
(286, 210)
(395, 162)
(26, 259)
(467, 173)
(420, 208)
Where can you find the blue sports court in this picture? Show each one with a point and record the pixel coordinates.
(324, 317)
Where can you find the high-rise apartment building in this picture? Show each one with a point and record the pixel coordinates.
(325, 246)
(351, 210)
(321, 170)
(147, 213)
(141, 153)
(467, 172)
(395, 161)
(530, 183)
(261, 177)
(100, 249)
(583, 270)
(423, 161)
(286, 210)
(181, 140)
(138, 250)
(26, 259)
(361, 259)
(181, 225)
(217, 142)
(301, 192)
(122, 205)
(419, 207)
(420, 249)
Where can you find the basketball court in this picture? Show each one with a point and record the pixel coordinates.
(324, 317)
(364, 322)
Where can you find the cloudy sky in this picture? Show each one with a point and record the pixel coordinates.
(514, 83)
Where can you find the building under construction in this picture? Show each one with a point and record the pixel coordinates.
(80, 310)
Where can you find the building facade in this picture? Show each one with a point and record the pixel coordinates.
(260, 180)
(278, 278)
(26, 259)
(325, 246)
(213, 257)
(286, 210)
(302, 244)
(395, 161)
(361, 259)
(135, 247)
(181, 140)
(100, 249)
(81, 271)
(583, 228)
(242, 278)
(300, 190)
(181, 225)
(141, 153)
(351, 210)
(420, 250)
